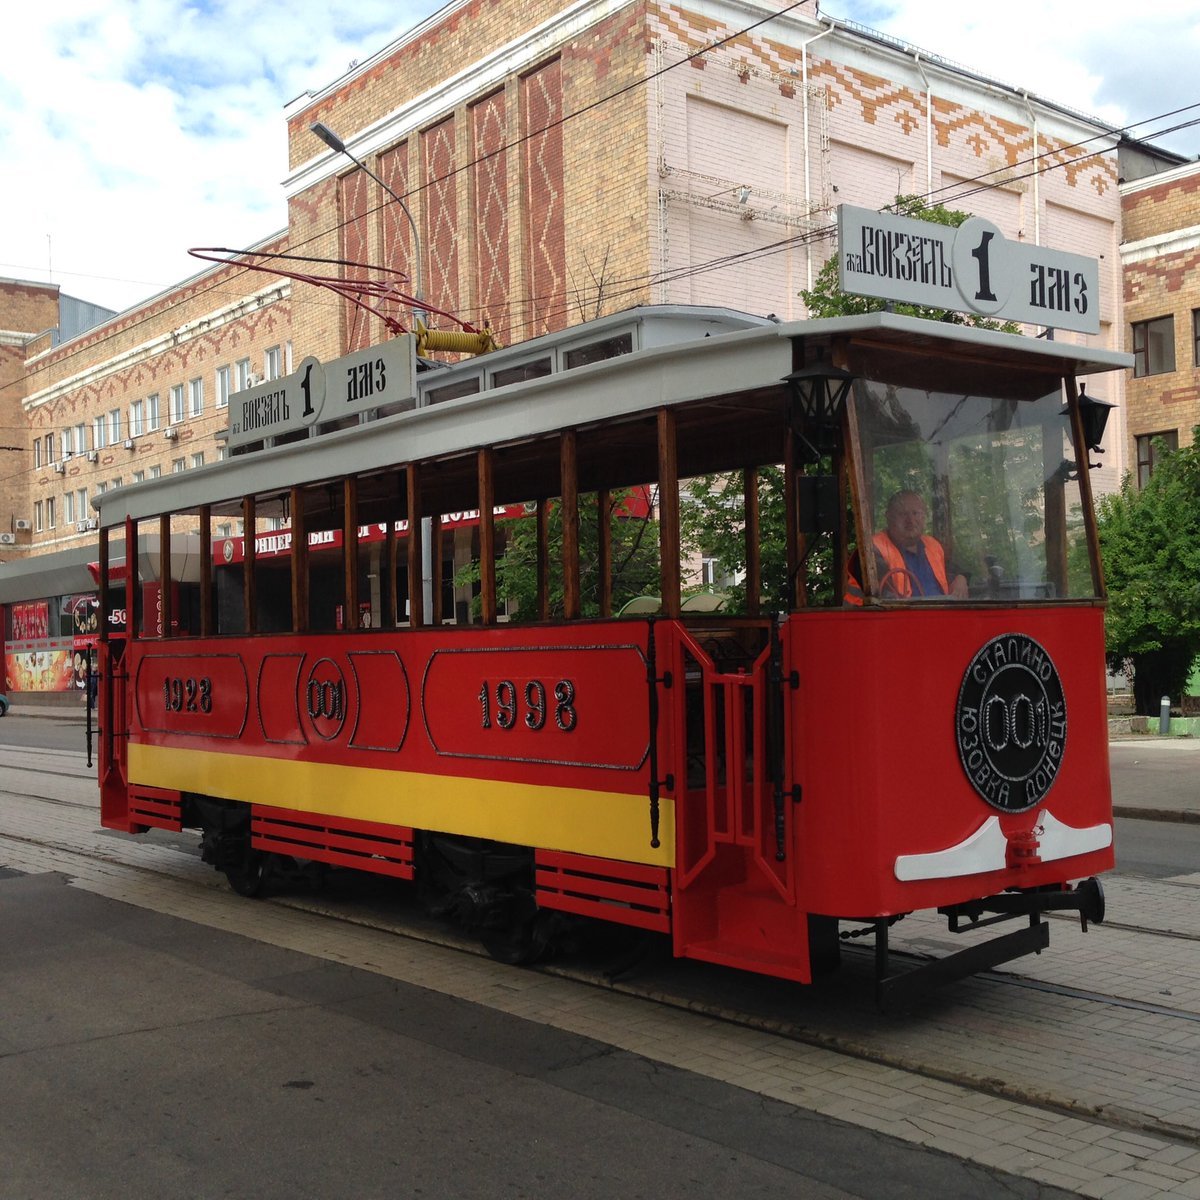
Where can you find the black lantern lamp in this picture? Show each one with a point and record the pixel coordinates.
(1093, 416)
(819, 394)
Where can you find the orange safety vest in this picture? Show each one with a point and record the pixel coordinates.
(895, 572)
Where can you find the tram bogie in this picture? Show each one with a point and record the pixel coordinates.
(863, 740)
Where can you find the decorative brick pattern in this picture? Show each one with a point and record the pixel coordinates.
(395, 232)
(489, 179)
(541, 97)
(441, 230)
(354, 200)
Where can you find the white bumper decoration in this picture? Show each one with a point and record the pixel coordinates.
(987, 849)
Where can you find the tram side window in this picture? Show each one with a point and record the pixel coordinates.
(995, 474)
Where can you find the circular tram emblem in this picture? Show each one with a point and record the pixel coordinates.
(1011, 722)
(325, 698)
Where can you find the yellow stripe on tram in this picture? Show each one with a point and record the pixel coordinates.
(576, 820)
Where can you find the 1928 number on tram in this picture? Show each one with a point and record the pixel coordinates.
(187, 694)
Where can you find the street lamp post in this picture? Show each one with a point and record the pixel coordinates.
(336, 144)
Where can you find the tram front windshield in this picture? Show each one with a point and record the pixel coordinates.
(996, 478)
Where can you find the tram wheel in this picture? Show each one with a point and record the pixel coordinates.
(248, 876)
(519, 943)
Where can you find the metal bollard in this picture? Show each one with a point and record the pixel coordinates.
(1164, 715)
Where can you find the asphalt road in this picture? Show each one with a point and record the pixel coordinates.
(145, 1056)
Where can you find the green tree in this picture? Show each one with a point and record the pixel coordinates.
(1150, 542)
(826, 298)
(712, 523)
(634, 559)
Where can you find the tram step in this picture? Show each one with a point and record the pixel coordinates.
(735, 954)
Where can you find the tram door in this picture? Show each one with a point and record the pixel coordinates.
(734, 885)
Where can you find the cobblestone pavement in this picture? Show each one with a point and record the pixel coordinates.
(1051, 1084)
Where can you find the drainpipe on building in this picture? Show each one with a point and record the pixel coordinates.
(807, 155)
(928, 126)
(1037, 172)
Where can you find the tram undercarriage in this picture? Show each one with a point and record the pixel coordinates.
(488, 890)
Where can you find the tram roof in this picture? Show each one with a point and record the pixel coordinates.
(738, 371)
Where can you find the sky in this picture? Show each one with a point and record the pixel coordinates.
(131, 130)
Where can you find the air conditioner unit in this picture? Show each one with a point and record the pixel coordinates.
(7, 539)
(22, 524)
(81, 526)
(59, 466)
(129, 443)
(170, 433)
(93, 456)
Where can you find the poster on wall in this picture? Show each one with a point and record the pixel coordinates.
(30, 620)
(39, 671)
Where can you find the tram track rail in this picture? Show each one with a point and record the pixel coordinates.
(661, 986)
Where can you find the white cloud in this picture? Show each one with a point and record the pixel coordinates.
(1106, 59)
(131, 131)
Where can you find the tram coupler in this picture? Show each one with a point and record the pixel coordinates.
(1086, 898)
(899, 991)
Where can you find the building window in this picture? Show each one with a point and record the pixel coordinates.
(195, 397)
(243, 374)
(1153, 347)
(69, 507)
(116, 482)
(114, 427)
(51, 517)
(37, 452)
(1196, 336)
(176, 417)
(49, 444)
(156, 472)
(101, 487)
(68, 443)
(224, 386)
(178, 465)
(81, 505)
(198, 459)
(99, 425)
(37, 516)
(80, 438)
(139, 477)
(1150, 449)
(137, 418)
(152, 412)
(272, 363)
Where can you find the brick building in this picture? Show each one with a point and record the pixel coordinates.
(554, 164)
(1159, 255)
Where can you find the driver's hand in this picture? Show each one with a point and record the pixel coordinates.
(958, 589)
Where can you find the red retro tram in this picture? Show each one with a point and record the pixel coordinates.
(295, 682)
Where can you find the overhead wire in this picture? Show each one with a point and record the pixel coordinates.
(632, 285)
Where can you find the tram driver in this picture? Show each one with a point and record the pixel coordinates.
(908, 561)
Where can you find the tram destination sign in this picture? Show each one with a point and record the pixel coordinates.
(319, 392)
(973, 268)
